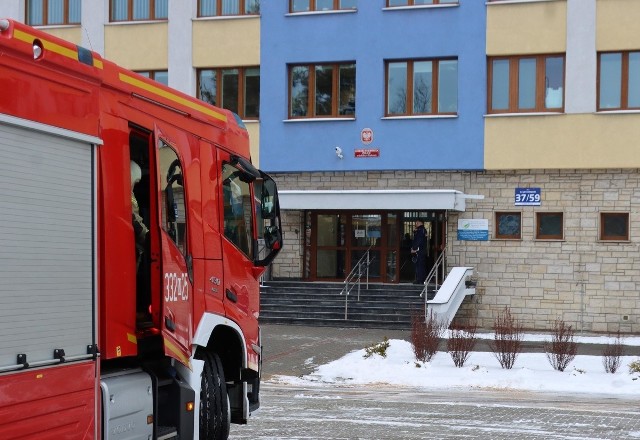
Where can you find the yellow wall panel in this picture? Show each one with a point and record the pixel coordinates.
(526, 28)
(212, 46)
(254, 141)
(137, 46)
(617, 25)
(562, 141)
(71, 34)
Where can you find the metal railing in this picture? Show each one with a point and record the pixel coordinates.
(437, 272)
(355, 278)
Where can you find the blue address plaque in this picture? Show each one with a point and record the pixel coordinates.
(527, 197)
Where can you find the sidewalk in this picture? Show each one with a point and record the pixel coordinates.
(297, 350)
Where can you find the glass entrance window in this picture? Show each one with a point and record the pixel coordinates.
(330, 242)
(366, 230)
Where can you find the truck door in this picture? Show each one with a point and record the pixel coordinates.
(241, 289)
(177, 275)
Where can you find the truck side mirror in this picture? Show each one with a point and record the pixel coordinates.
(268, 199)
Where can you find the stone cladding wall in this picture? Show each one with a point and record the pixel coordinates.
(592, 285)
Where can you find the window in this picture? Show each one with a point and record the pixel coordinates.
(320, 5)
(422, 87)
(549, 226)
(137, 10)
(619, 80)
(394, 3)
(162, 76)
(173, 197)
(322, 90)
(236, 89)
(52, 12)
(237, 209)
(509, 225)
(614, 226)
(218, 8)
(526, 84)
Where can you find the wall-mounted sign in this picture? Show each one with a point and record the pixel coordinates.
(527, 197)
(366, 136)
(473, 229)
(367, 152)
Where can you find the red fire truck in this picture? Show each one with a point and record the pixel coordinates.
(134, 232)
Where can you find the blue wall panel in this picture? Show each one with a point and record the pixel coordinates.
(370, 36)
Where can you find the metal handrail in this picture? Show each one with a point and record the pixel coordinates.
(356, 274)
(437, 271)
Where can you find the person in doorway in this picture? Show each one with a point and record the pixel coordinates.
(141, 232)
(139, 228)
(418, 252)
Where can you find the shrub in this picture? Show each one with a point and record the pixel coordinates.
(634, 367)
(461, 341)
(425, 336)
(507, 339)
(562, 349)
(379, 348)
(611, 355)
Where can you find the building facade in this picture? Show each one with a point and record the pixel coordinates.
(205, 48)
(509, 126)
(540, 150)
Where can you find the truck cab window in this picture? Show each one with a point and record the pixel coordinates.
(173, 196)
(237, 209)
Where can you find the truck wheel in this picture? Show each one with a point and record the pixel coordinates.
(214, 401)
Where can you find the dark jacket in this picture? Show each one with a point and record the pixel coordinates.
(419, 243)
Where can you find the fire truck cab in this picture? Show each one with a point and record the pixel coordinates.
(135, 231)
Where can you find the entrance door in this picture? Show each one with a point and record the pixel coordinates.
(339, 240)
(435, 232)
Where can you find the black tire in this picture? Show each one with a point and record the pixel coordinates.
(214, 401)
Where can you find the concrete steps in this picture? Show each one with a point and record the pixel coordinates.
(320, 304)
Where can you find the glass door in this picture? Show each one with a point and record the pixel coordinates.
(366, 234)
(330, 241)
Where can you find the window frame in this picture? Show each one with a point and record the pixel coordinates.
(435, 87)
(180, 240)
(514, 68)
(152, 13)
(45, 14)
(241, 88)
(624, 81)
(311, 90)
(242, 10)
(606, 237)
(496, 228)
(411, 3)
(227, 208)
(151, 74)
(540, 236)
(312, 7)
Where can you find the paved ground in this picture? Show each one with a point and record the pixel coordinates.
(384, 412)
(288, 348)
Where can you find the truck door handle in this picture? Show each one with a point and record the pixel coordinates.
(169, 323)
(232, 296)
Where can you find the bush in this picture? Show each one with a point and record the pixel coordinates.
(379, 348)
(562, 349)
(634, 367)
(507, 339)
(611, 355)
(461, 341)
(425, 336)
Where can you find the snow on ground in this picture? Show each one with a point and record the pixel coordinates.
(531, 371)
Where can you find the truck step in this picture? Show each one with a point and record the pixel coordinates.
(167, 433)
